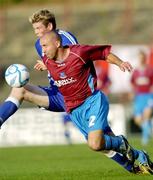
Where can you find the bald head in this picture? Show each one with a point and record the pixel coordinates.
(50, 43)
(51, 36)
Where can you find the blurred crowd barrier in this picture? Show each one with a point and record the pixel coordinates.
(31, 126)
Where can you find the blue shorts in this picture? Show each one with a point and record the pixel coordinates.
(56, 101)
(142, 102)
(92, 114)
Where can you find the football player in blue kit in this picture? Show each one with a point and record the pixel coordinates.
(48, 97)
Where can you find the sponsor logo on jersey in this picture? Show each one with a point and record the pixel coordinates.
(64, 82)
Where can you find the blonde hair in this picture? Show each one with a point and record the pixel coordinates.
(44, 16)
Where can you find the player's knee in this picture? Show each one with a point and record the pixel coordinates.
(26, 94)
(96, 145)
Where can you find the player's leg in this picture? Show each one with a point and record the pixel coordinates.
(91, 119)
(123, 161)
(138, 120)
(34, 95)
(88, 122)
(115, 143)
(97, 123)
(119, 158)
(11, 104)
(66, 120)
(145, 165)
(99, 139)
(146, 168)
(146, 125)
(29, 93)
(142, 113)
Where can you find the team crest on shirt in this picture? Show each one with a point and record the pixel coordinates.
(63, 75)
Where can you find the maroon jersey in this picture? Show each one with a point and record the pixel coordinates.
(75, 76)
(142, 80)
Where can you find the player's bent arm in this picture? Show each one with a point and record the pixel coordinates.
(113, 59)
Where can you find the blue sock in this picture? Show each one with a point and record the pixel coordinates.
(146, 131)
(8, 108)
(112, 142)
(120, 159)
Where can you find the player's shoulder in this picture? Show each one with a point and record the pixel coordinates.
(75, 47)
(78, 50)
(81, 48)
(66, 35)
(60, 31)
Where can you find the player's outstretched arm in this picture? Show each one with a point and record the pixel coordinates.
(123, 65)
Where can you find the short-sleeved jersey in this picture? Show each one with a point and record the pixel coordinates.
(142, 80)
(67, 39)
(75, 77)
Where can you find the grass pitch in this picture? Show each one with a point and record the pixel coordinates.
(75, 162)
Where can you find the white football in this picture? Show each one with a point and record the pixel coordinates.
(17, 75)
